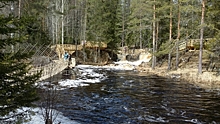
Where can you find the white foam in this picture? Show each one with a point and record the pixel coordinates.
(89, 75)
(72, 83)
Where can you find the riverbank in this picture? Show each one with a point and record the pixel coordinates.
(207, 80)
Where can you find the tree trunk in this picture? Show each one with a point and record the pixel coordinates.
(84, 27)
(75, 21)
(62, 23)
(156, 40)
(178, 37)
(19, 9)
(170, 34)
(12, 34)
(48, 121)
(123, 25)
(140, 37)
(57, 23)
(201, 38)
(154, 37)
(85, 18)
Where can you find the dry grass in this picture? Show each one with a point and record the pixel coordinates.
(207, 80)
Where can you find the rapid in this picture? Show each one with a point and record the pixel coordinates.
(131, 97)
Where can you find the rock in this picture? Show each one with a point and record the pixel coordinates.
(145, 57)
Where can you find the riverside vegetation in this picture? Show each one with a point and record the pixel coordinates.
(188, 70)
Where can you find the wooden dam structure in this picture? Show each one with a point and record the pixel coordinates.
(54, 54)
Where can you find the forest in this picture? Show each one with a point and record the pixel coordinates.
(159, 25)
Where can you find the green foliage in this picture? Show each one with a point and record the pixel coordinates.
(165, 48)
(33, 28)
(17, 87)
(33, 21)
(140, 21)
(122, 15)
(213, 25)
(102, 21)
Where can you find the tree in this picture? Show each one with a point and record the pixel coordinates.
(36, 25)
(123, 13)
(170, 32)
(201, 37)
(140, 23)
(102, 22)
(154, 37)
(49, 98)
(17, 86)
(178, 35)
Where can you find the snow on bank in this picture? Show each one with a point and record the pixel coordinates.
(35, 116)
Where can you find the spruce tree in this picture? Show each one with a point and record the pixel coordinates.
(201, 37)
(102, 22)
(17, 86)
(123, 12)
(212, 21)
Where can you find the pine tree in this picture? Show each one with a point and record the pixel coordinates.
(201, 37)
(102, 21)
(140, 22)
(17, 87)
(123, 12)
(212, 21)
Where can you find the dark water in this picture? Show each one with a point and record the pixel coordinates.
(129, 97)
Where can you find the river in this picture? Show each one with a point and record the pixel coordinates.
(130, 97)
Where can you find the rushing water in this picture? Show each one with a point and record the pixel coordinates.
(128, 97)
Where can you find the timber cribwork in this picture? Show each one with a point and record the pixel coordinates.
(93, 44)
(70, 48)
(57, 66)
(49, 70)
